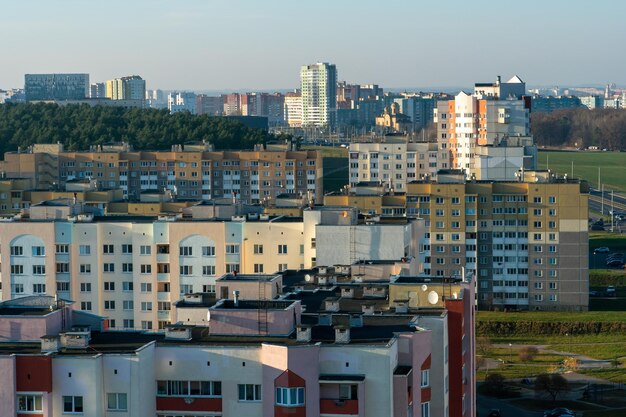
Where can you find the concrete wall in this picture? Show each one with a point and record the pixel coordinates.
(7, 386)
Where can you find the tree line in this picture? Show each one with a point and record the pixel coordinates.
(79, 126)
(580, 127)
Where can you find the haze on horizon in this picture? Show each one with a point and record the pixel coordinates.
(260, 45)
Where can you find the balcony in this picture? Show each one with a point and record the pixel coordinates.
(163, 296)
(189, 404)
(342, 407)
(163, 277)
(163, 315)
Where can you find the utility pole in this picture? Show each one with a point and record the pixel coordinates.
(612, 211)
(602, 199)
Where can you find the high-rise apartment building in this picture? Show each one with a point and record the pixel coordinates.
(485, 134)
(56, 86)
(319, 94)
(232, 104)
(195, 172)
(393, 163)
(126, 88)
(181, 101)
(97, 90)
(293, 109)
(213, 106)
(420, 109)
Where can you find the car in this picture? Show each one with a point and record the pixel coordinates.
(601, 249)
(615, 263)
(597, 227)
(494, 413)
(559, 412)
(616, 255)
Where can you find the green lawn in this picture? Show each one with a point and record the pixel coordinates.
(613, 241)
(586, 166)
(328, 151)
(548, 316)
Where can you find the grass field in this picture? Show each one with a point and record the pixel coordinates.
(548, 316)
(328, 151)
(615, 242)
(586, 166)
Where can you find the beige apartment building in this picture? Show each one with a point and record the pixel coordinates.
(526, 240)
(192, 172)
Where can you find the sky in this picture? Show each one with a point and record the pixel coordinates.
(261, 44)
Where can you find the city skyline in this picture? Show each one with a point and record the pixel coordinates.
(223, 41)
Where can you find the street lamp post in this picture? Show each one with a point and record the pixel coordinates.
(510, 353)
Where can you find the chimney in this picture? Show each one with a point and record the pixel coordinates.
(50, 344)
(401, 306)
(347, 292)
(236, 298)
(367, 309)
(303, 334)
(331, 304)
(178, 333)
(342, 334)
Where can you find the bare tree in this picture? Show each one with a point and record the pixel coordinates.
(551, 384)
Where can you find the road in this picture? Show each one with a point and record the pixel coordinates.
(485, 404)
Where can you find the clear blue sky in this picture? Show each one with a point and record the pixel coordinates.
(260, 44)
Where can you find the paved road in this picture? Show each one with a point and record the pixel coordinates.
(485, 404)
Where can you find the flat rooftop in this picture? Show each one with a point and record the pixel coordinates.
(249, 277)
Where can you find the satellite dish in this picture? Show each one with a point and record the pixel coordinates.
(433, 297)
(424, 287)
(308, 278)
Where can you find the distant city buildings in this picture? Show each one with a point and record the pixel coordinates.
(485, 134)
(97, 90)
(293, 109)
(126, 88)
(213, 106)
(56, 86)
(318, 85)
(181, 101)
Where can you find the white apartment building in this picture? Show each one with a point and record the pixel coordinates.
(393, 163)
(131, 269)
(319, 94)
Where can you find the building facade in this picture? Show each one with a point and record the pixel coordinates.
(318, 84)
(394, 162)
(194, 172)
(56, 86)
(126, 88)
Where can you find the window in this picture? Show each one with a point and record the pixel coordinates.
(232, 249)
(62, 249)
(282, 249)
(208, 251)
(129, 323)
(146, 287)
(258, 268)
(230, 268)
(426, 409)
(425, 378)
(127, 267)
(116, 402)
(258, 249)
(107, 249)
(208, 288)
(85, 287)
(109, 267)
(17, 269)
(128, 305)
(17, 251)
(72, 404)
(146, 325)
(553, 297)
(249, 392)
(109, 304)
(186, 270)
(145, 250)
(84, 250)
(63, 267)
(29, 403)
(146, 269)
(17, 288)
(146, 306)
(208, 270)
(109, 286)
(186, 251)
(39, 251)
(39, 288)
(39, 270)
(63, 286)
(189, 388)
(290, 397)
